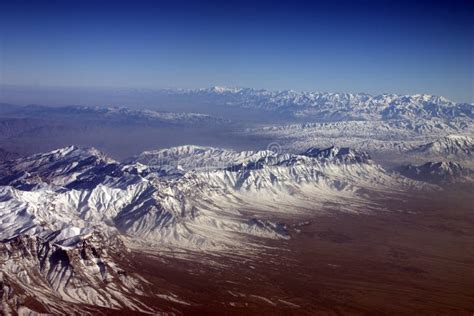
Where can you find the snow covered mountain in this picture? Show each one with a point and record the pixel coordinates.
(87, 188)
(196, 204)
(58, 167)
(386, 124)
(420, 141)
(448, 146)
(186, 158)
(337, 106)
(52, 278)
(344, 155)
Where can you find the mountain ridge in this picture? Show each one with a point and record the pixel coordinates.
(70, 216)
(337, 106)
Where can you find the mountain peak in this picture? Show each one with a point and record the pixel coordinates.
(60, 166)
(442, 171)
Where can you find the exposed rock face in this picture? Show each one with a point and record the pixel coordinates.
(35, 269)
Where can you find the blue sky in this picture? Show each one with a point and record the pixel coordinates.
(344, 46)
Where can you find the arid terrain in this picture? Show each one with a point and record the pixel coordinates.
(418, 261)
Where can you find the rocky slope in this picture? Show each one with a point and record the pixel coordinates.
(36, 271)
(6, 155)
(438, 172)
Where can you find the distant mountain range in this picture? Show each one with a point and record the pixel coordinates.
(332, 106)
(320, 106)
(109, 115)
(438, 172)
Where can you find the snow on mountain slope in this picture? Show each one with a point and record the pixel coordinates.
(450, 148)
(58, 167)
(393, 140)
(344, 155)
(38, 271)
(384, 125)
(181, 210)
(185, 158)
(438, 172)
(145, 206)
(202, 208)
(451, 145)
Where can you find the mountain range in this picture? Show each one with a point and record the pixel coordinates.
(332, 106)
(67, 216)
